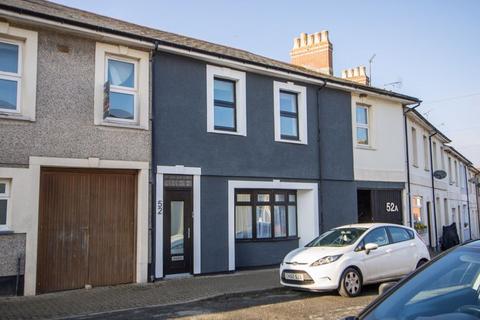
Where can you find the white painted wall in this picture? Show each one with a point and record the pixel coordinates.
(384, 158)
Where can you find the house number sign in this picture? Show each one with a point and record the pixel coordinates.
(391, 207)
(159, 207)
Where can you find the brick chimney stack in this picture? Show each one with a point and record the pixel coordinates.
(313, 51)
(357, 74)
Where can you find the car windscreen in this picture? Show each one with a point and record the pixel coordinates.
(447, 289)
(337, 237)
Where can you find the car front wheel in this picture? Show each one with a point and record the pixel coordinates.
(350, 283)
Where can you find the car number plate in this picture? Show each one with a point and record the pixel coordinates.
(294, 276)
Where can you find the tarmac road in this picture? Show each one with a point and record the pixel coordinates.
(272, 304)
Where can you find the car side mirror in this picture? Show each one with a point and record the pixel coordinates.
(384, 287)
(370, 246)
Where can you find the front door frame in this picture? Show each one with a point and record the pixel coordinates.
(178, 170)
(170, 266)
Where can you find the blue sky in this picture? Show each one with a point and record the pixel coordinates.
(432, 47)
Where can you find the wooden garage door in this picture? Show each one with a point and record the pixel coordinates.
(86, 228)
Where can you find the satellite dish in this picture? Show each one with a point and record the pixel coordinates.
(440, 174)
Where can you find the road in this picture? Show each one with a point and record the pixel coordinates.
(272, 304)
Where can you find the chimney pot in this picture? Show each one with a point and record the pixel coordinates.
(318, 57)
(357, 74)
(303, 39)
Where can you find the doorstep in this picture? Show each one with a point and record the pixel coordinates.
(115, 298)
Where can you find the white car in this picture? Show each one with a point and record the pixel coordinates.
(348, 257)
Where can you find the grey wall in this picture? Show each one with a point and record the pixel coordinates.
(262, 253)
(12, 247)
(181, 127)
(181, 136)
(64, 111)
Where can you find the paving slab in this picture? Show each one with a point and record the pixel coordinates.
(122, 297)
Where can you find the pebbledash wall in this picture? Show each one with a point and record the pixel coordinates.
(61, 133)
(321, 171)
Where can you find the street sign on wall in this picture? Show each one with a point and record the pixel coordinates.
(440, 174)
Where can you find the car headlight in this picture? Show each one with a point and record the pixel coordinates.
(326, 260)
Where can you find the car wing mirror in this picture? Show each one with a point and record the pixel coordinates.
(384, 287)
(370, 246)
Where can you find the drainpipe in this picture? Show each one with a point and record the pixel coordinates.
(409, 196)
(468, 202)
(319, 160)
(434, 201)
(153, 169)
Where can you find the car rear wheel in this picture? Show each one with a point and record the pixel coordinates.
(421, 263)
(350, 283)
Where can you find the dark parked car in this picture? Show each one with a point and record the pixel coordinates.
(448, 287)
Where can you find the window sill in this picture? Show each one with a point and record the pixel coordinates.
(415, 165)
(365, 147)
(291, 141)
(5, 231)
(15, 116)
(267, 240)
(122, 125)
(233, 133)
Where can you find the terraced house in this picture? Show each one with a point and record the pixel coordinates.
(130, 154)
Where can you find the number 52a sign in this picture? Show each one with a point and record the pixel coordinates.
(391, 207)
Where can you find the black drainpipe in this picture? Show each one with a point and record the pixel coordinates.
(319, 160)
(153, 170)
(468, 203)
(409, 196)
(433, 189)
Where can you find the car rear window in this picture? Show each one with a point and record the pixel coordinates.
(400, 234)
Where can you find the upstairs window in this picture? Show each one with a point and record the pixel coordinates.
(224, 105)
(226, 101)
(414, 147)
(288, 115)
(426, 158)
(10, 76)
(363, 123)
(122, 85)
(290, 112)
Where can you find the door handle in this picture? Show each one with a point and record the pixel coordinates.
(188, 233)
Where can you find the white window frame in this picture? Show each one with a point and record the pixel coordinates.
(17, 77)
(125, 90)
(239, 78)
(414, 147)
(301, 93)
(426, 158)
(434, 154)
(6, 196)
(26, 76)
(363, 125)
(141, 59)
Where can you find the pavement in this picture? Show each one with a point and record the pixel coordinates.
(134, 296)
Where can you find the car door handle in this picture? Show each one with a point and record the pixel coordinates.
(388, 250)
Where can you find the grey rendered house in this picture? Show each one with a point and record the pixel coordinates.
(250, 157)
(73, 174)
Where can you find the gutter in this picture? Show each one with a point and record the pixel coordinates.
(145, 41)
(320, 186)
(434, 200)
(409, 196)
